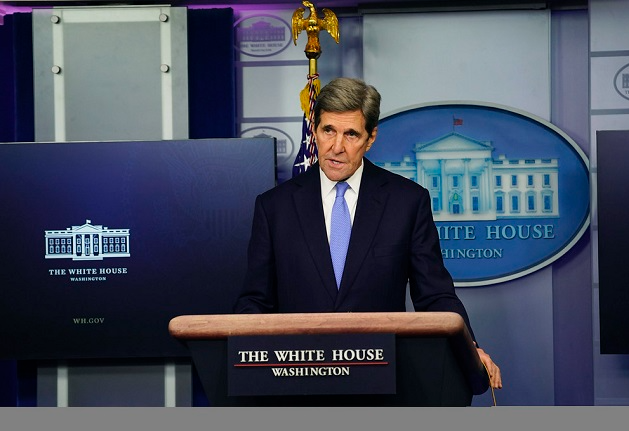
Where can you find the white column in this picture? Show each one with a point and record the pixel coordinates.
(444, 186)
(467, 203)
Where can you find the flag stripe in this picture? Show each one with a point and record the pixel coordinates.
(307, 154)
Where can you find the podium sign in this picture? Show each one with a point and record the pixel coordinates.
(432, 361)
(311, 365)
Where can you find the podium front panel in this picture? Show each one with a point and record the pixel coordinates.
(427, 375)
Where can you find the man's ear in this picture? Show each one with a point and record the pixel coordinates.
(371, 138)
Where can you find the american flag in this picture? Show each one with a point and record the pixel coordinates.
(307, 155)
(457, 121)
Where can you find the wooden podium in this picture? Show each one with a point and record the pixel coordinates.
(436, 360)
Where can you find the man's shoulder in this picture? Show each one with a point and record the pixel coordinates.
(293, 184)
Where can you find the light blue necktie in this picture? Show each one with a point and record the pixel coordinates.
(340, 231)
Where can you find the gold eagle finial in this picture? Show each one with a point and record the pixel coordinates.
(313, 25)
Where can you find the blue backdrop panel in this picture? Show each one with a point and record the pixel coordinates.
(613, 177)
(181, 212)
(16, 78)
(211, 81)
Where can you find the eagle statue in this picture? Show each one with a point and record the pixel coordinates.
(313, 25)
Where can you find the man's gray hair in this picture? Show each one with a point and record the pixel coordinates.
(349, 94)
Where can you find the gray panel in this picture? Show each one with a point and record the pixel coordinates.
(42, 76)
(513, 323)
(112, 81)
(572, 274)
(179, 44)
(346, 57)
(183, 378)
(46, 384)
(112, 383)
(122, 73)
(116, 384)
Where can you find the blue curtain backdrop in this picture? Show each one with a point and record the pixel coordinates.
(16, 124)
(16, 79)
(211, 81)
(211, 76)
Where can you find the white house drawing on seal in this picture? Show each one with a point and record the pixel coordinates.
(466, 183)
(87, 242)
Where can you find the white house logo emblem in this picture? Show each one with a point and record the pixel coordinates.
(465, 183)
(509, 192)
(87, 242)
(262, 35)
(621, 81)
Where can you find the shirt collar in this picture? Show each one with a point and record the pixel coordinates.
(328, 185)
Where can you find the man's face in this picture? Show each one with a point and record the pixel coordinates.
(342, 140)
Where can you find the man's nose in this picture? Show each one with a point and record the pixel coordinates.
(339, 143)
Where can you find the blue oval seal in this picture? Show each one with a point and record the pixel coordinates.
(510, 191)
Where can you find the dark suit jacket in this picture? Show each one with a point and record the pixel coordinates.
(394, 241)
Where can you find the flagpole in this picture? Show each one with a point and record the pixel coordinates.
(313, 24)
(312, 66)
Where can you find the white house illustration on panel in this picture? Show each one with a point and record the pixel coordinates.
(87, 242)
(465, 183)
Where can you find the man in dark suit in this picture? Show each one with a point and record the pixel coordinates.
(394, 241)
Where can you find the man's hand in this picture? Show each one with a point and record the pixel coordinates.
(495, 379)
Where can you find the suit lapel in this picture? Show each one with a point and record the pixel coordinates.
(369, 209)
(309, 209)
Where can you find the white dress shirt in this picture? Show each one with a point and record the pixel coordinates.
(328, 195)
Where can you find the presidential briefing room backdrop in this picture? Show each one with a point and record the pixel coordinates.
(493, 108)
